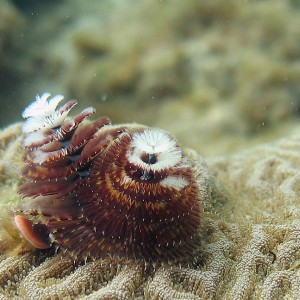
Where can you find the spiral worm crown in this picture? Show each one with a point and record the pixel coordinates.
(100, 189)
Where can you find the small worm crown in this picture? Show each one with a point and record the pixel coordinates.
(154, 150)
(99, 189)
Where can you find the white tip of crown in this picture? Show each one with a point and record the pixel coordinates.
(175, 182)
(153, 141)
(158, 142)
(33, 124)
(42, 107)
(33, 138)
(42, 114)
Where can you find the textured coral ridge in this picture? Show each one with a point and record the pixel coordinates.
(98, 189)
(250, 249)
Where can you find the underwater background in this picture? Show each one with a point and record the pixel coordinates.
(223, 77)
(219, 75)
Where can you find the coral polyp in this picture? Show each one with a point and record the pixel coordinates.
(97, 189)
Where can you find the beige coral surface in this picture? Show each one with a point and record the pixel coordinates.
(251, 237)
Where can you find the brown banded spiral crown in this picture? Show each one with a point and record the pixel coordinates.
(96, 189)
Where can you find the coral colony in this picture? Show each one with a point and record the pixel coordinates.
(96, 189)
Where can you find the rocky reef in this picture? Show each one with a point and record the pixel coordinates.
(250, 230)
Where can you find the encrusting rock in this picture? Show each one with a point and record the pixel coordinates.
(250, 229)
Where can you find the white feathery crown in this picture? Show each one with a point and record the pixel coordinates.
(154, 141)
(41, 107)
(42, 113)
